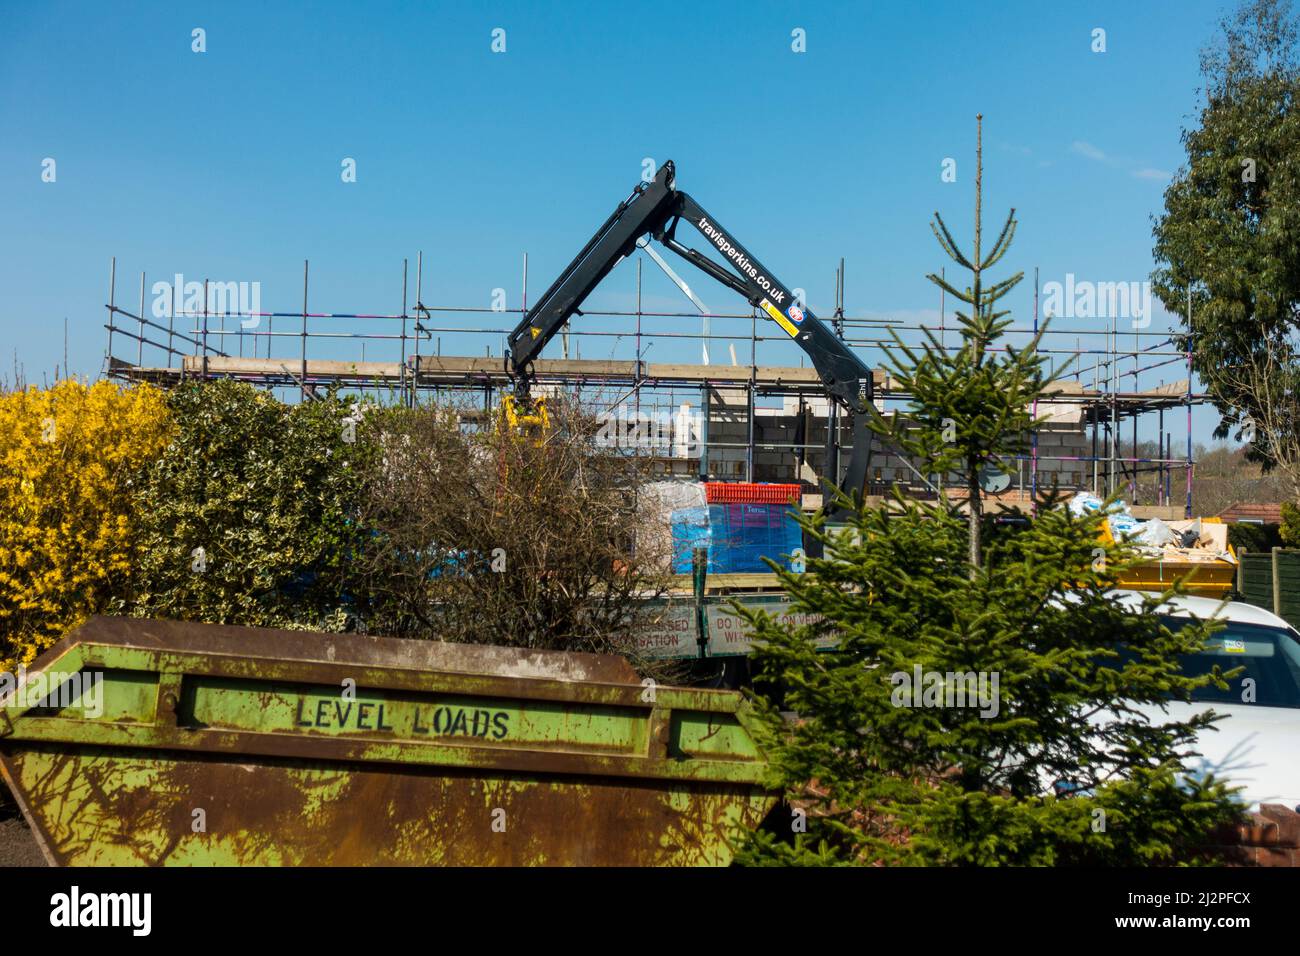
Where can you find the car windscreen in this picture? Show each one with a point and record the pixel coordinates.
(1268, 656)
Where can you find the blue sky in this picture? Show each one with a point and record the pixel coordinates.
(226, 164)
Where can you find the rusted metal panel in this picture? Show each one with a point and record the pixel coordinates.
(205, 744)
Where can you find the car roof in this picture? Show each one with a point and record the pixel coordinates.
(1189, 605)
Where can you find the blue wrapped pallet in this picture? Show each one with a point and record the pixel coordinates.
(738, 536)
(690, 530)
(743, 534)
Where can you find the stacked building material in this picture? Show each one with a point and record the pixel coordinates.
(740, 525)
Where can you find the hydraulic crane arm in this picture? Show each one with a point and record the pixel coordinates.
(845, 375)
(646, 210)
(656, 209)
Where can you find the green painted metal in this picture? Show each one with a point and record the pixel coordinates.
(203, 744)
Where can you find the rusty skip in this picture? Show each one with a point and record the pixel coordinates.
(218, 745)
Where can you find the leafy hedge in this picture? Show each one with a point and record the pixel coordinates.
(245, 514)
(215, 502)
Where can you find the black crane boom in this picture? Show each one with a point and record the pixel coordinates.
(655, 209)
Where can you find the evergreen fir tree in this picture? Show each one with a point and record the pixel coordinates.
(1050, 763)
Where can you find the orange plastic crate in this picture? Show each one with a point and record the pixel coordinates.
(741, 492)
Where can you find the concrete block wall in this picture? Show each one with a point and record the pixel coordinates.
(728, 431)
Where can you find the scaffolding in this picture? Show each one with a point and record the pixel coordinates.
(194, 333)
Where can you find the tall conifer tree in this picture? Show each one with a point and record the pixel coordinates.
(1043, 757)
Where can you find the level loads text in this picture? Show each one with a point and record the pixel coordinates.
(441, 720)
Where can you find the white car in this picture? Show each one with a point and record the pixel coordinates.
(1256, 746)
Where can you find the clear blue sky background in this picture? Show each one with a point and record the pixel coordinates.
(226, 164)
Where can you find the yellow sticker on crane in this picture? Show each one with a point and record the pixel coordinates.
(780, 318)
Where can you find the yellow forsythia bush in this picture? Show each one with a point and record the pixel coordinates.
(69, 456)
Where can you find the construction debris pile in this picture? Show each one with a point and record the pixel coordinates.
(1192, 540)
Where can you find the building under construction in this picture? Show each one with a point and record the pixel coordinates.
(742, 412)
